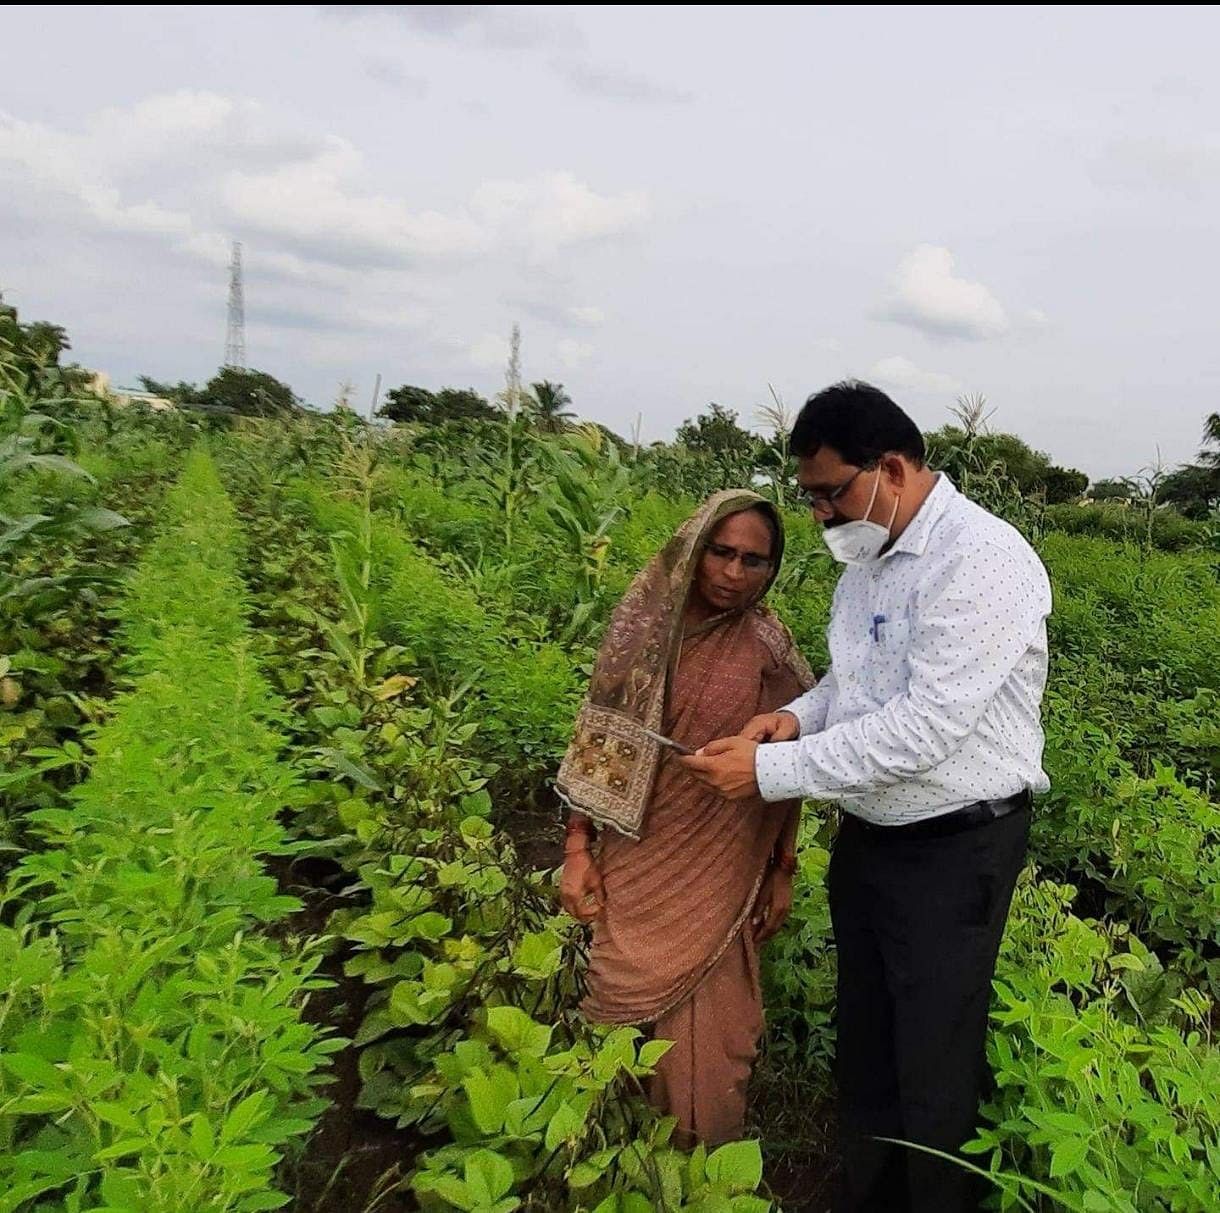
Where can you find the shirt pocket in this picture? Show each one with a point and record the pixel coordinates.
(886, 668)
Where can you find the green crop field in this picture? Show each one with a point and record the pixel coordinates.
(280, 703)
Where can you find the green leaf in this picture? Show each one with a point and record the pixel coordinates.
(203, 1140)
(452, 1190)
(243, 1117)
(17, 1196)
(564, 1125)
(538, 954)
(120, 1149)
(245, 1158)
(488, 1176)
(34, 1070)
(345, 766)
(121, 1190)
(516, 1032)
(1067, 1154)
(652, 1051)
(698, 1166)
(430, 925)
(490, 1093)
(737, 1165)
(98, 519)
(40, 1103)
(258, 1202)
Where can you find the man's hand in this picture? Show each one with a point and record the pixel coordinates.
(773, 905)
(727, 766)
(772, 726)
(581, 891)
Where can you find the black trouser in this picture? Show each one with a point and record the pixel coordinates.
(918, 925)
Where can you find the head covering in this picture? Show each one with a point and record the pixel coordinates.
(610, 765)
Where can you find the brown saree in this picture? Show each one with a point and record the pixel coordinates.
(672, 946)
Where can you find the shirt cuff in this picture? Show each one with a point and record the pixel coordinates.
(777, 771)
(805, 711)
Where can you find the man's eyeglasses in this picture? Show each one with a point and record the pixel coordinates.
(750, 561)
(826, 501)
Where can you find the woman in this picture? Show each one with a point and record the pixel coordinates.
(681, 885)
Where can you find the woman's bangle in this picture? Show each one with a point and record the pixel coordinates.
(578, 833)
(786, 862)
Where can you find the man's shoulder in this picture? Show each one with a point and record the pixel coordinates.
(969, 529)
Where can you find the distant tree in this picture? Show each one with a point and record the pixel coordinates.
(1031, 471)
(1114, 490)
(232, 391)
(462, 404)
(35, 350)
(716, 432)
(407, 404)
(711, 452)
(418, 404)
(250, 394)
(1064, 485)
(549, 407)
(1210, 454)
(1194, 490)
(184, 394)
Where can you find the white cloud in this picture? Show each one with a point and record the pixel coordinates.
(827, 345)
(903, 375)
(553, 210)
(315, 207)
(303, 196)
(573, 353)
(929, 297)
(61, 165)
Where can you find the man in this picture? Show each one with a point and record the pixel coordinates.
(926, 731)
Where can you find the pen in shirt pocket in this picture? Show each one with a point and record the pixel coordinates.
(875, 630)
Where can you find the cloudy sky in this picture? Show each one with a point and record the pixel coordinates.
(677, 204)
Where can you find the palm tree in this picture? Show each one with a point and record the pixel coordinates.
(1211, 439)
(549, 407)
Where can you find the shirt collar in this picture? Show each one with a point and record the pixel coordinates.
(914, 538)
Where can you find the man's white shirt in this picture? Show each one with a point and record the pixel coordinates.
(938, 664)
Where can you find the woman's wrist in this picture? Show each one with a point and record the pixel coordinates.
(578, 834)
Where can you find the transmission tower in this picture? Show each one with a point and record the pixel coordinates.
(235, 333)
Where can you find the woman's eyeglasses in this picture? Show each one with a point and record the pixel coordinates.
(750, 561)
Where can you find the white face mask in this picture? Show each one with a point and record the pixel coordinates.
(860, 541)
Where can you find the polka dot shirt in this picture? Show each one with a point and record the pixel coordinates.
(938, 664)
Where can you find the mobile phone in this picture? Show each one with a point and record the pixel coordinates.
(668, 741)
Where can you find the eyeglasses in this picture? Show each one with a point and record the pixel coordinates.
(751, 561)
(826, 501)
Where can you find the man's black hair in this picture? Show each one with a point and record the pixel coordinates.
(857, 421)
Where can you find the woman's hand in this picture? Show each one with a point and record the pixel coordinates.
(773, 905)
(772, 726)
(581, 891)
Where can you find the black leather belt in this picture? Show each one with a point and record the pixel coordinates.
(981, 812)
